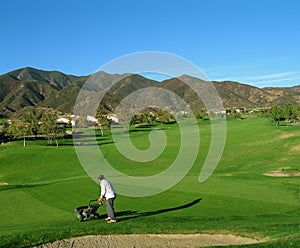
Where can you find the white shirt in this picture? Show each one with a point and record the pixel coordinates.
(107, 190)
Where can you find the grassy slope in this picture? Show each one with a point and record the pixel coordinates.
(46, 183)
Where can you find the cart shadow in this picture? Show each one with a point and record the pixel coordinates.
(133, 214)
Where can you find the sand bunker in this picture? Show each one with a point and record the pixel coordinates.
(284, 172)
(150, 240)
(280, 174)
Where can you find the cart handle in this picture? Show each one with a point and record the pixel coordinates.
(91, 201)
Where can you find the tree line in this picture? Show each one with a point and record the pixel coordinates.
(286, 113)
(32, 124)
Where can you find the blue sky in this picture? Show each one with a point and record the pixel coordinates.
(253, 42)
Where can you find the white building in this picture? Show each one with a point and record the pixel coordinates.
(114, 119)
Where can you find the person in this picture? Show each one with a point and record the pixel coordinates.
(108, 193)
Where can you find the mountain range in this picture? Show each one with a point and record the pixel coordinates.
(53, 89)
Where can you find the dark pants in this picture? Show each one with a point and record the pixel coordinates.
(110, 208)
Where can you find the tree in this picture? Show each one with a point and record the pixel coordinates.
(277, 114)
(18, 129)
(123, 117)
(31, 121)
(82, 122)
(236, 114)
(26, 125)
(3, 129)
(134, 120)
(164, 116)
(290, 113)
(103, 123)
(50, 129)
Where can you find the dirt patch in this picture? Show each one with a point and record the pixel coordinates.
(295, 148)
(227, 175)
(150, 240)
(287, 135)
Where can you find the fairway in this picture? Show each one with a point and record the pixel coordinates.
(41, 185)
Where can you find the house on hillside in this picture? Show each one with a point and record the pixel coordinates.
(89, 120)
(219, 112)
(92, 120)
(65, 121)
(239, 110)
(113, 118)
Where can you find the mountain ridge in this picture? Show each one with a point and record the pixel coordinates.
(54, 89)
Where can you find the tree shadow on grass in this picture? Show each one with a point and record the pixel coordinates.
(133, 214)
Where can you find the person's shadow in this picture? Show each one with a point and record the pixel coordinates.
(132, 214)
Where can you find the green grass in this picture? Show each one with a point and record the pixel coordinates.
(45, 184)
